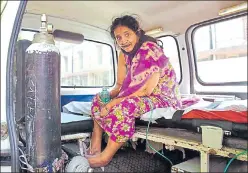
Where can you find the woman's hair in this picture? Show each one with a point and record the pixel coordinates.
(128, 21)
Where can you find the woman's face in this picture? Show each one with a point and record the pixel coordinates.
(125, 38)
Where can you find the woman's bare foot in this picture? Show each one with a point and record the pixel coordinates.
(99, 160)
(105, 157)
(95, 147)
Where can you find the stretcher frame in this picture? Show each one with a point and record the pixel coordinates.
(163, 135)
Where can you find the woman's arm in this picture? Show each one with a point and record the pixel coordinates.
(146, 90)
(121, 73)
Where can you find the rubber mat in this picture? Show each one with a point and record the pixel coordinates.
(129, 160)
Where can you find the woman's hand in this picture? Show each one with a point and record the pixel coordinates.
(105, 110)
(100, 101)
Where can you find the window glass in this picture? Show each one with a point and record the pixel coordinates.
(86, 64)
(221, 51)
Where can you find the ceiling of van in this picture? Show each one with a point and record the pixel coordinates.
(173, 16)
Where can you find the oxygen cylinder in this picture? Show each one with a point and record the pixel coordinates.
(42, 98)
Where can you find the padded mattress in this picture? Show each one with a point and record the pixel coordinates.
(231, 116)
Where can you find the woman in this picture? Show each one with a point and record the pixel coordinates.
(146, 80)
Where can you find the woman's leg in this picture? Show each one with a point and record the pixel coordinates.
(119, 125)
(96, 139)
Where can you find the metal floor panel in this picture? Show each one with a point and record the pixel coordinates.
(129, 160)
(135, 161)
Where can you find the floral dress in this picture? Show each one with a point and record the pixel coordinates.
(119, 123)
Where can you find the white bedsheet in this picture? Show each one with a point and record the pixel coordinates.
(235, 105)
(239, 105)
(78, 108)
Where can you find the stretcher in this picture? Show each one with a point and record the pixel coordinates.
(171, 137)
(231, 116)
(170, 128)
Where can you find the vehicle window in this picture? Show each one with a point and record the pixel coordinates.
(221, 51)
(86, 64)
(26, 35)
(171, 51)
(89, 64)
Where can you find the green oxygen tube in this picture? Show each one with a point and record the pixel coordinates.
(230, 161)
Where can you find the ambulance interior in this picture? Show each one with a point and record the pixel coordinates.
(207, 46)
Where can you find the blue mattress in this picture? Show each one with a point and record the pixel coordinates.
(72, 123)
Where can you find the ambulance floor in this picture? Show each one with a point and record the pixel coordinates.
(129, 160)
